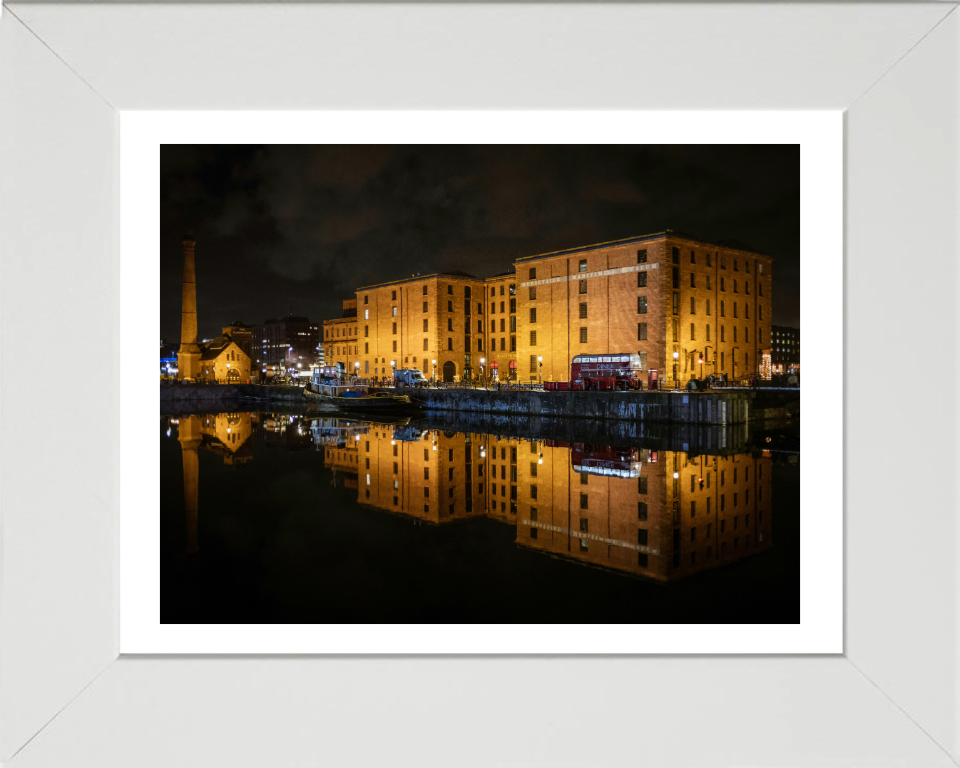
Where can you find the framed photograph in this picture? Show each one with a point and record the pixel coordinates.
(107, 659)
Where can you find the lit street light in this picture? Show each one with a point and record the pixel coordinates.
(540, 368)
(701, 366)
(676, 356)
(482, 361)
(434, 373)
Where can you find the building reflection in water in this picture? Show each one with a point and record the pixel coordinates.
(663, 515)
(658, 514)
(226, 435)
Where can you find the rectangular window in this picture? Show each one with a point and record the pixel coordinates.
(675, 330)
(641, 331)
(583, 286)
(641, 510)
(513, 343)
(641, 257)
(424, 290)
(533, 491)
(722, 286)
(584, 502)
(722, 310)
(642, 484)
(676, 255)
(746, 311)
(533, 315)
(734, 334)
(533, 469)
(583, 310)
(693, 257)
(394, 329)
(449, 344)
(676, 303)
(449, 306)
(394, 346)
(760, 289)
(425, 348)
(723, 357)
(760, 311)
(693, 280)
(583, 265)
(693, 533)
(708, 332)
(583, 335)
(466, 306)
(503, 328)
(642, 537)
(366, 347)
(394, 297)
(366, 366)
(723, 333)
(425, 327)
(735, 284)
(641, 305)
(533, 293)
(366, 331)
(746, 287)
(533, 274)
(693, 332)
(533, 363)
(676, 278)
(533, 338)
(693, 306)
(641, 279)
(734, 309)
(480, 326)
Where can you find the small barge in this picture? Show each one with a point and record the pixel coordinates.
(326, 388)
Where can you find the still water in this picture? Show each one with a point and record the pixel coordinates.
(298, 517)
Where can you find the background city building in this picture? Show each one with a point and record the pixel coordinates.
(656, 295)
(786, 349)
(290, 343)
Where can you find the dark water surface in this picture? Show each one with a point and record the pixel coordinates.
(292, 518)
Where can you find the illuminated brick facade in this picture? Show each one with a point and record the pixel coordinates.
(410, 323)
(654, 295)
(340, 343)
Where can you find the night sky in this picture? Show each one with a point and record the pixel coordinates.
(287, 228)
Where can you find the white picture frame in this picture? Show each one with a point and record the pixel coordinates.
(67, 71)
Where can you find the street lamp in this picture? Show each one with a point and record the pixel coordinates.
(676, 356)
(434, 373)
(482, 361)
(356, 372)
(540, 368)
(701, 366)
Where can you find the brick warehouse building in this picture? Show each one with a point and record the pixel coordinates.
(654, 295)
(340, 343)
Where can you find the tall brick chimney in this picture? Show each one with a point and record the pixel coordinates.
(188, 358)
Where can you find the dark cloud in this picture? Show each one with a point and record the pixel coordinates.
(298, 228)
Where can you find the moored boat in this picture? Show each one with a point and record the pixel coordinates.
(325, 387)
